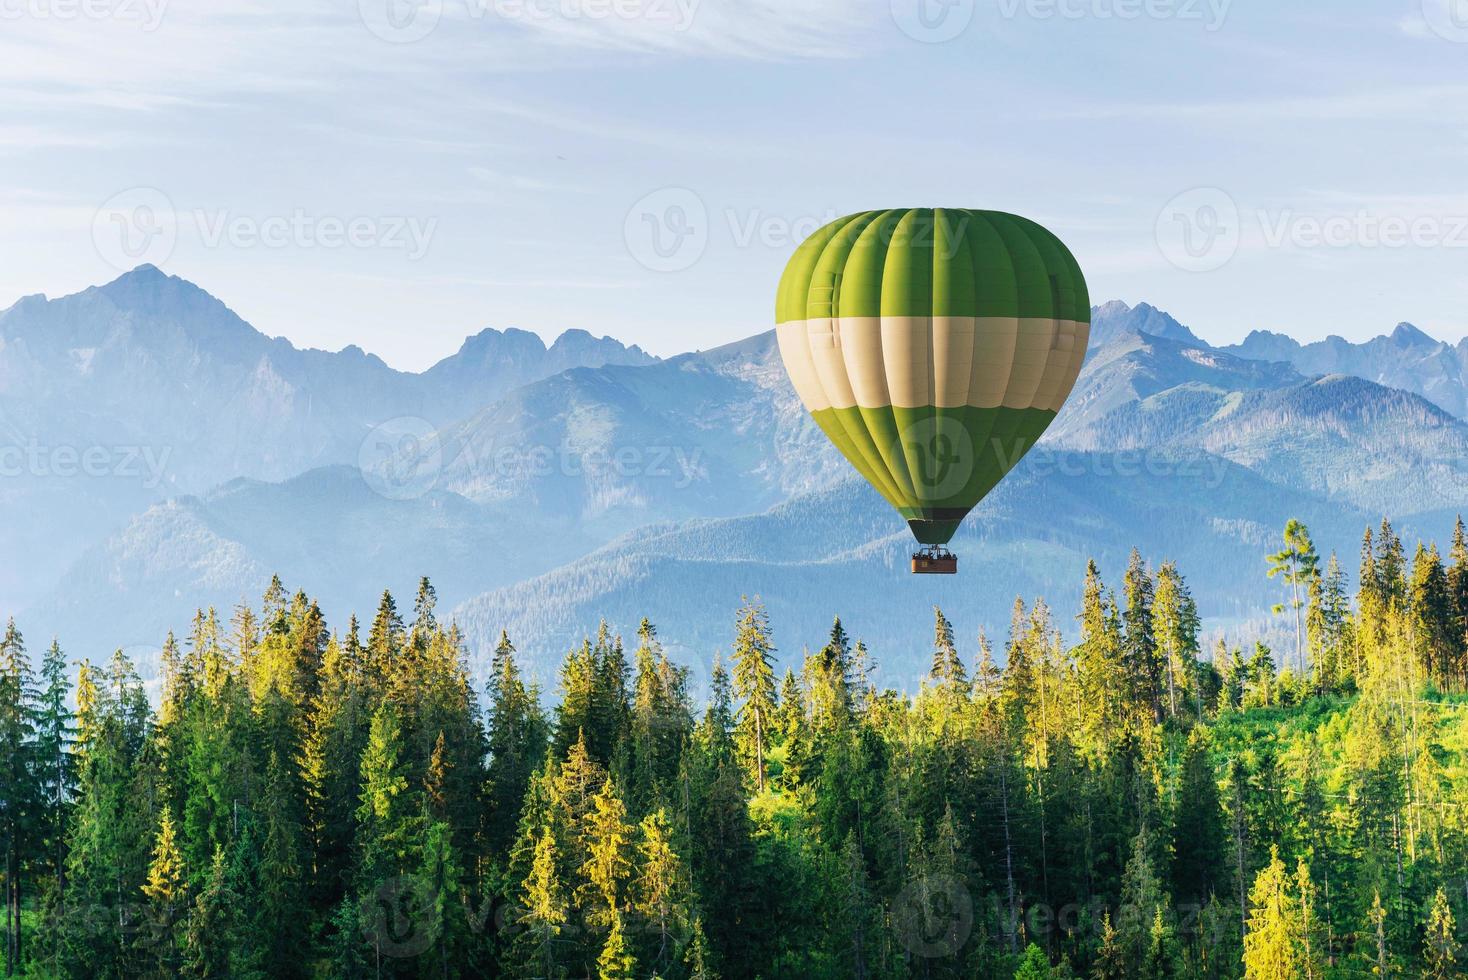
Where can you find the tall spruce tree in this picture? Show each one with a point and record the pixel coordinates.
(336, 732)
(947, 665)
(828, 679)
(659, 894)
(1297, 564)
(20, 794)
(1144, 903)
(1142, 660)
(1199, 835)
(1176, 625)
(1440, 940)
(1327, 627)
(1458, 596)
(53, 764)
(165, 888)
(1273, 946)
(542, 915)
(389, 826)
(516, 741)
(754, 685)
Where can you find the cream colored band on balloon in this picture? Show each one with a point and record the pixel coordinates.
(875, 362)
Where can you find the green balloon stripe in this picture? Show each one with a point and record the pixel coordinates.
(950, 458)
(933, 262)
(831, 274)
(836, 425)
(886, 434)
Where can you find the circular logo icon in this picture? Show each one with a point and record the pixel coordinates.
(134, 227)
(933, 916)
(1199, 230)
(940, 456)
(400, 21)
(396, 917)
(401, 458)
(667, 230)
(932, 21)
(1448, 19)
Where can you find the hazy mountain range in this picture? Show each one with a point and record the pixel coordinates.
(1408, 359)
(130, 393)
(543, 488)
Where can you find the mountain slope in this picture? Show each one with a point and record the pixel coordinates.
(548, 473)
(1387, 451)
(842, 552)
(326, 531)
(1112, 320)
(124, 394)
(698, 478)
(1408, 359)
(156, 360)
(1347, 437)
(708, 434)
(1122, 375)
(1206, 456)
(1380, 449)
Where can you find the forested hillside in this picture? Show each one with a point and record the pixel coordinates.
(315, 801)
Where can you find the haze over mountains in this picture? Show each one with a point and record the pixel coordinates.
(1188, 453)
(543, 488)
(158, 360)
(1408, 359)
(171, 393)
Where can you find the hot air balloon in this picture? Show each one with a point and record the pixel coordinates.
(933, 346)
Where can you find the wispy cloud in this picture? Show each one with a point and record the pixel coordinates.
(1428, 103)
(18, 138)
(531, 283)
(785, 29)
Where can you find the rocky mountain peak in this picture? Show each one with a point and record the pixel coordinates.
(1407, 335)
(1115, 319)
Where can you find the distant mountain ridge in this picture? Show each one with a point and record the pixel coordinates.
(1407, 358)
(714, 433)
(162, 360)
(150, 366)
(1121, 375)
(1111, 320)
(1214, 501)
(583, 478)
(1348, 437)
(530, 483)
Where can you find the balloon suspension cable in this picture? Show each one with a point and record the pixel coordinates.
(934, 559)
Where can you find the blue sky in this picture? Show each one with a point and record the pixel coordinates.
(399, 173)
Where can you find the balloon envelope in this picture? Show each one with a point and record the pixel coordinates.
(933, 347)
